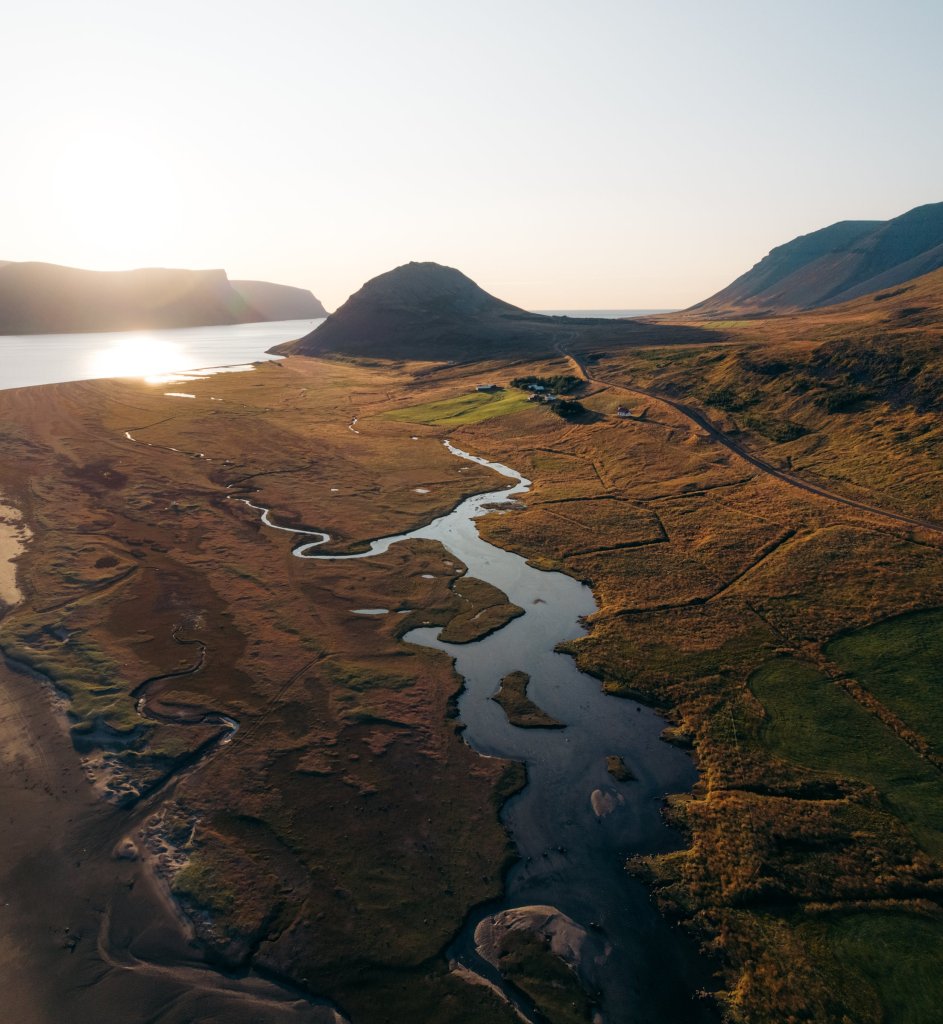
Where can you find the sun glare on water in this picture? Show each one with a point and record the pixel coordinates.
(140, 356)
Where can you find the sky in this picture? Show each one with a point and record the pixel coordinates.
(606, 154)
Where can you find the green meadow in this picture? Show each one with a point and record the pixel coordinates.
(474, 407)
(895, 955)
(901, 662)
(813, 722)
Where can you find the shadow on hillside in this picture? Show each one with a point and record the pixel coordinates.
(472, 339)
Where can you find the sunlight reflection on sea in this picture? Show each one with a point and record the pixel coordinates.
(160, 356)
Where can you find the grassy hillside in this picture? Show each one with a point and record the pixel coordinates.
(836, 264)
(791, 640)
(849, 396)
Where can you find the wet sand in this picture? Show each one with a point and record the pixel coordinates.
(13, 538)
(80, 929)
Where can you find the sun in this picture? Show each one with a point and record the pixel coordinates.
(137, 355)
(118, 200)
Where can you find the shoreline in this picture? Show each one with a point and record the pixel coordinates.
(120, 824)
(67, 900)
(14, 537)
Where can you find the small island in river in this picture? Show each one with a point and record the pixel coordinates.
(520, 709)
(301, 814)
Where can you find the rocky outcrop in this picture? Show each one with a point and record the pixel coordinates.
(564, 936)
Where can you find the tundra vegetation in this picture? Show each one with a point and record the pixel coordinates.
(792, 641)
(520, 709)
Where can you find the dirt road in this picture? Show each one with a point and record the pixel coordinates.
(757, 461)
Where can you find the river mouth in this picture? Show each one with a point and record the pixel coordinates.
(573, 824)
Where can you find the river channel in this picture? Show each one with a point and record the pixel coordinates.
(572, 846)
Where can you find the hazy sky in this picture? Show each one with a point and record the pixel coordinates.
(606, 153)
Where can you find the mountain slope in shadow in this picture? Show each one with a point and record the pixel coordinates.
(836, 264)
(428, 311)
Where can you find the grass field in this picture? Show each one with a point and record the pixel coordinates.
(899, 956)
(718, 589)
(849, 394)
(475, 407)
(347, 796)
(815, 723)
(901, 662)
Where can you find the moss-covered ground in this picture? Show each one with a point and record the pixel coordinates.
(547, 980)
(520, 709)
(792, 641)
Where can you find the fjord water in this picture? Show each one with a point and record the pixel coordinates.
(27, 360)
(572, 852)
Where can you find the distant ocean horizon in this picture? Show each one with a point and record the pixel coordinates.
(603, 314)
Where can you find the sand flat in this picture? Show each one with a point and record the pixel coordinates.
(14, 536)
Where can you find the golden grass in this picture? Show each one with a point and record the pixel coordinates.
(710, 571)
(346, 797)
(705, 572)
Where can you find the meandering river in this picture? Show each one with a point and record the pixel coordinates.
(572, 845)
(573, 823)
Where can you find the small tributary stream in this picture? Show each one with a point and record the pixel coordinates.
(571, 857)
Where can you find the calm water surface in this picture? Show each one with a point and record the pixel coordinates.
(573, 824)
(26, 360)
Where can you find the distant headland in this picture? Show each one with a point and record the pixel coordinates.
(43, 298)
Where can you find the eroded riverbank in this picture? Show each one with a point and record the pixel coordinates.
(389, 699)
(573, 824)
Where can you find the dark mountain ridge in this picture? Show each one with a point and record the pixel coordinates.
(835, 264)
(44, 298)
(422, 310)
(428, 311)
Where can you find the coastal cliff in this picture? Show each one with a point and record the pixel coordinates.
(43, 298)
